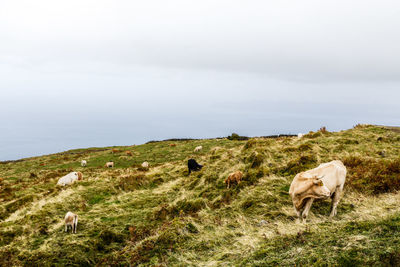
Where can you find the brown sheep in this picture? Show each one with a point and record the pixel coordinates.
(234, 177)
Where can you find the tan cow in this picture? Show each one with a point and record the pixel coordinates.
(234, 177)
(128, 153)
(71, 219)
(327, 180)
(172, 145)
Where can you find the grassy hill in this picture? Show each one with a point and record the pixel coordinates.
(162, 216)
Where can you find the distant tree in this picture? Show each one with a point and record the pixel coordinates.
(235, 136)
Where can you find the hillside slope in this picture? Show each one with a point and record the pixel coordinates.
(162, 216)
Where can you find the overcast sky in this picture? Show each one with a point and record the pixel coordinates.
(95, 73)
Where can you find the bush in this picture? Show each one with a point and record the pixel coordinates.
(249, 144)
(108, 237)
(313, 135)
(189, 207)
(251, 176)
(373, 176)
(236, 137)
(304, 147)
(132, 182)
(347, 141)
(298, 165)
(255, 160)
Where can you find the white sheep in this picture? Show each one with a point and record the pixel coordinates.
(71, 219)
(198, 148)
(70, 178)
(83, 163)
(110, 164)
(145, 164)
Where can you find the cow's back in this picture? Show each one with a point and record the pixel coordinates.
(333, 173)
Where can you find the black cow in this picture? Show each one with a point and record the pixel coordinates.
(193, 166)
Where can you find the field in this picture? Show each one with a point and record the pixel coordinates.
(162, 216)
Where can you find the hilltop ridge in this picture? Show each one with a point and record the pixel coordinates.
(163, 216)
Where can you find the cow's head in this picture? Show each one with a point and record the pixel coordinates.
(318, 188)
(308, 187)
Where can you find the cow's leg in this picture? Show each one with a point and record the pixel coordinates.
(298, 212)
(335, 201)
(229, 183)
(66, 228)
(307, 209)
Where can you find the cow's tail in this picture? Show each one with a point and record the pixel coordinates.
(75, 223)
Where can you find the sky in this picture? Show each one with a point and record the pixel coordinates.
(76, 74)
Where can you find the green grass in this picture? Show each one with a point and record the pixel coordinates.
(163, 216)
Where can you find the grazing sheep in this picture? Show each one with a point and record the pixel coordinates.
(83, 163)
(234, 177)
(193, 165)
(300, 135)
(198, 148)
(145, 164)
(71, 219)
(110, 164)
(70, 178)
(128, 153)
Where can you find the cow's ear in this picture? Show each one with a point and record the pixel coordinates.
(318, 182)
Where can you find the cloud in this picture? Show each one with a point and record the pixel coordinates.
(302, 41)
(101, 72)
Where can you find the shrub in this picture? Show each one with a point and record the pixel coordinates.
(255, 160)
(249, 144)
(373, 176)
(313, 135)
(360, 126)
(132, 182)
(347, 141)
(162, 212)
(304, 147)
(236, 137)
(189, 207)
(191, 228)
(298, 165)
(107, 237)
(251, 176)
